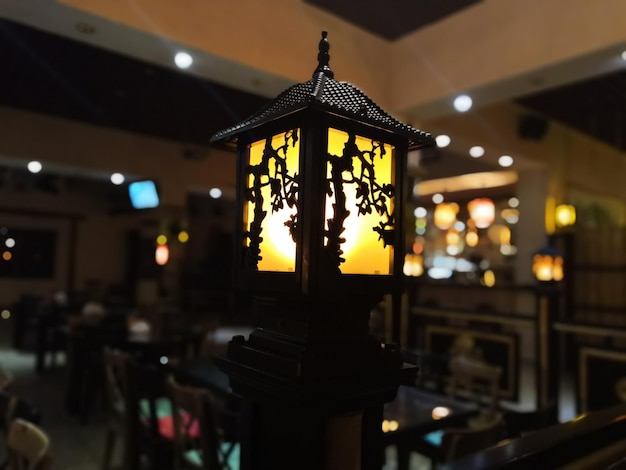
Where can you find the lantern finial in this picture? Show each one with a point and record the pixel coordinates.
(323, 57)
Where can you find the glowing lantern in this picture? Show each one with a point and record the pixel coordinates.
(471, 237)
(445, 215)
(162, 255)
(565, 215)
(548, 265)
(413, 265)
(482, 211)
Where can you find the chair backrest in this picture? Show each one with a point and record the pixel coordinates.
(28, 447)
(457, 443)
(474, 378)
(6, 379)
(194, 425)
(519, 423)
(12, 407)
(121, 394)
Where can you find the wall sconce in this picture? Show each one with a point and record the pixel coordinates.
(445, 215)
(564, 215)
(548, 265)
(482, 211)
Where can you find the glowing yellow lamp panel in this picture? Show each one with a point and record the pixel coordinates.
(278, 249)
(363, 251)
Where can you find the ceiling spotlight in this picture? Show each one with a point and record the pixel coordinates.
(476, 151)
(505, 160)
(117, 178)
(462, 103)
(183, 60)
(442, 140)
(34, 166)
(437, 198)
(215, 193)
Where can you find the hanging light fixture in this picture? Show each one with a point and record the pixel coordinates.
(162, 255)
(482, 211)
(548, 265)
(445, 215)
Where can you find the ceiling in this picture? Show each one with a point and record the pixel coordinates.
(392, 19)
(596, 107)
(53, 75)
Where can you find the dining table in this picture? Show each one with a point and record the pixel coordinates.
(413, 414)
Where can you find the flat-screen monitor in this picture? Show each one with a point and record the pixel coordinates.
(143, 194)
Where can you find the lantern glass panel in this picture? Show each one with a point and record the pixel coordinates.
(271, 201)
(360, 179)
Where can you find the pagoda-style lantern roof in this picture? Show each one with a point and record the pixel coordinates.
(327, 94)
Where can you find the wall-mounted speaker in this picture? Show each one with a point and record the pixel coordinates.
(532, 127)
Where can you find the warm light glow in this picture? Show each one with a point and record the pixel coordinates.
(183, 236)
(278, 249)
(453, 237)
(5, 314)
(162, 255)
(489, 278)
(549, 219)
(565, 215)
(511, 216)
(471, 237)
(513, 202)
(363, 250)
(482, 212)
(499, 234)
(413, 265)
(479, 181)
(161, 240)
(7, 256)
(440, 412)
(548, 267)
(445, 215)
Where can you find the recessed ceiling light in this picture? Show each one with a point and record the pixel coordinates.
(215, 193)
(442, 140)
(183, 60)
(462, 103)
(437, 198)
(505, 160)
(117, 178)
(476, 151)
(34, 166)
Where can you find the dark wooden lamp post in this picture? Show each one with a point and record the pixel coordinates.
(321, 189)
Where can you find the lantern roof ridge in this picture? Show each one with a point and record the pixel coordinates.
(327, 94)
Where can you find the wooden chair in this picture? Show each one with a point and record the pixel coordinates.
(457, 443)
(123, 409)
(28, 447)
(474, 379)
(199, 443)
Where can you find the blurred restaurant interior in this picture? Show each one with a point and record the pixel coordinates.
(120, 226)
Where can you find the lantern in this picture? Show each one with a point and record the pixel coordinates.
(162, 255)
(321, 173)
(564, 215)
(548, 265)
(482, 212)
(445, 215)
